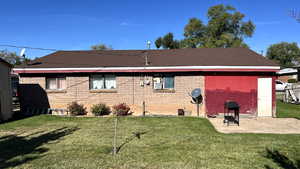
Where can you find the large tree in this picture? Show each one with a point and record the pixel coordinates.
(167, 42)
(101, 46)
(225, 28)
(11, 57)
(194, 33)
(284, 53)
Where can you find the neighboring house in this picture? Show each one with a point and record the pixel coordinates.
(5, 91)
(162, 79)
(287, 73)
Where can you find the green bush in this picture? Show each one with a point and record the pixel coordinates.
(292, 81)
(100, 109)
(76, 109)
(121, 109)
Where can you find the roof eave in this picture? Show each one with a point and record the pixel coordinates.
(152, 69)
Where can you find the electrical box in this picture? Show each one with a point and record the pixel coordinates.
(141, 83)
(147, 82)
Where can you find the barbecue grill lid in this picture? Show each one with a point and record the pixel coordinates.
(231, 104)
(196, 93)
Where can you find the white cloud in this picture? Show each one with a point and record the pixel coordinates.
(129, 24)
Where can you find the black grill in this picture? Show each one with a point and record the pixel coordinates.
(231, 112)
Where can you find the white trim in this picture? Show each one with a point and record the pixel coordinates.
(153, 68)
(287, 71)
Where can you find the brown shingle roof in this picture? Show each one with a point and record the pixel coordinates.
(136, 58)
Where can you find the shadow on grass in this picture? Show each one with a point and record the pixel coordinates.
(128, 140)
(17, 150)
(281, 160)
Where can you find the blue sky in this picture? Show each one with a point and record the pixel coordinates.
(128, 24)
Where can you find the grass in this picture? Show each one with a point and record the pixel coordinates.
(286, 110)
(174, 142)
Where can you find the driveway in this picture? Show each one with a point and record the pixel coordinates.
(259, 125)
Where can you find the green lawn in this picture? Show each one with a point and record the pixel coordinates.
(286, 110)
(170, 142)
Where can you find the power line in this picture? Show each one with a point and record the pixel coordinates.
(28, 47)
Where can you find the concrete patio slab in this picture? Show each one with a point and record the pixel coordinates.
(259, 125)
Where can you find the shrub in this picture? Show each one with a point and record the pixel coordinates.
(292, 81)
(121, 109)
(76, 109)
(100, 109)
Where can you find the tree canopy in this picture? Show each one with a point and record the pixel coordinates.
(284, 53)
(225, 28)
(101, 46)
(12, 57)
(167, 42)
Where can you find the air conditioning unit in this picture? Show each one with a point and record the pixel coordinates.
(157, 85)
(157, 80)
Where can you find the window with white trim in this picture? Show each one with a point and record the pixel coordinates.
(163, 82)
(102, 82)
(56, 83)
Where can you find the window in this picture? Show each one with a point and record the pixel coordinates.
(102, 82)
(56, 83)
(163, 82)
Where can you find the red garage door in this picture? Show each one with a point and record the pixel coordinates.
(242, 89)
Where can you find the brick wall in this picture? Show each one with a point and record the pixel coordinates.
(128, 91)
(285, 78)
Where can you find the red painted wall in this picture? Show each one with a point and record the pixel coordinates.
(239, 88)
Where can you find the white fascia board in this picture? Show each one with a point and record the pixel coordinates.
(289, 72)
(155, 68)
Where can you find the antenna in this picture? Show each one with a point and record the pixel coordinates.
(146, 60)
(149, 44)
(146, 53)
(147, 82)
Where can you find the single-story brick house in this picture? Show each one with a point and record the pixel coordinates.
(286, 74)
(5, 91)
(162, 79)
